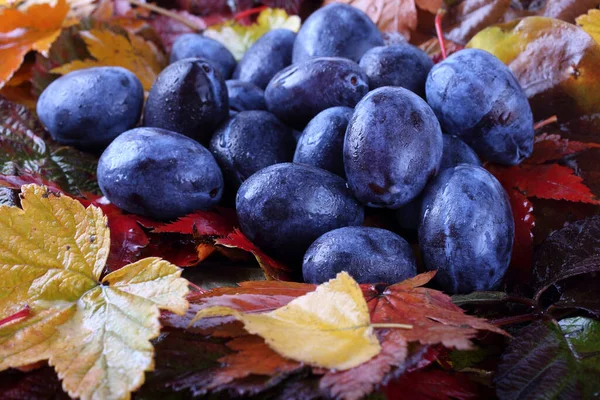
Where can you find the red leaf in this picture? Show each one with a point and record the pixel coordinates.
(205, 223)
(522, 256)
(357, 382)
(433, 385)
(273, 269)
(15, 182)
(553, 147)
(433, 315)
(549, 181)
(169, 29)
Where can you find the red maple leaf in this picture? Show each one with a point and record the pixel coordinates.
(553, 147)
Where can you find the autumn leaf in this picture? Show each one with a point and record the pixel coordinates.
(548, 181)
(554, 62)
(328, 328)
(131, 52)
(434, 385)
(590, 23)
(522, 255)
(553, 148)
(34, 28)
(273, 269)
(27, 149)
(434, 317)
(95, 331)
(238, 38)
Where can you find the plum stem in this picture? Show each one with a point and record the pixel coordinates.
(390, 325)
(541, 124)
(166, 13)
(438, 30)
(249, 12)
(24, 313)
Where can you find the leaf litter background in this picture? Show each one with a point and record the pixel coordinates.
(547, 303)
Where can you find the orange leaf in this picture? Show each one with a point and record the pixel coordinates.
(112, 49)
(21, 31)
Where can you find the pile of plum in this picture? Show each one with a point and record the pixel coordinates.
(306, 131)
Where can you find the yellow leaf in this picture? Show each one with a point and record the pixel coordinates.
(238, 38)
(111, 49)
(34, 28)
(590, 23)
(95, 332)
(329, 327)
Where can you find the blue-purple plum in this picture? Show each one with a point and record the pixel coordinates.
(336, 30)
(477, 98)
(369, 255)
(393, 147)
(285, 207)
(301, 91)
(322, 142)
(88, 108)
(192, 45)
(159, 174)
(271, 53)
(466, 229)
(245, 96)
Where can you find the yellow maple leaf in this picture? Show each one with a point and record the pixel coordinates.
(329, 327)
(95, 331)
(590, 23)
(112, 49)
(238, 38)
(22, 30)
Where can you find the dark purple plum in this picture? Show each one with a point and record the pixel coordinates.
(285, 207)
(192, 45)
(393, 147)
(477, 98)
(457, 152)
(301, 91)
(244, 96)
(189, 97)
(369, 255)
(271, 53)
(336, 30)
(159, 174)
(88, 108)
(400, 65)
(466, 229)
(322, 142)
(249, 142)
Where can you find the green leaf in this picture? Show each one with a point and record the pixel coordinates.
(549, 360)
(27, 149)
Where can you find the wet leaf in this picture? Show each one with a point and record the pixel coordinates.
(577, 294)
(468, 17)
(434, 385)
(53, 259)
(548, 181)
(21, 31)
(273, 269)
(554, 62)
(520, 266)
(27, 149)
(546, 360)
(169, 29)
(139, 56)
(328, 328)
(553, 148)
(571, 251)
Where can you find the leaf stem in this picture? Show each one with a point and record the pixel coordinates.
(390, 325)
(249, 12)
(439, 32)
(196, 287)
(517, 319)
(166, 13)
(24, 313)
(541, 124)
